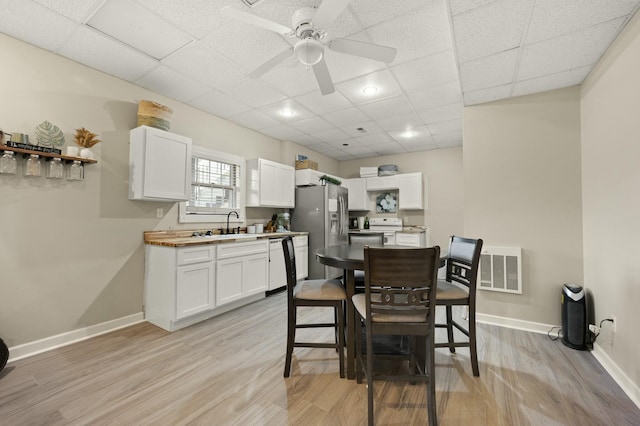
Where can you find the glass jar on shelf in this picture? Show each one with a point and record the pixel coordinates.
(75, 171)
(8, 163)
(55, 169)
(33, 166)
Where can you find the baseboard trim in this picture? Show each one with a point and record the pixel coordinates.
(628, 386)
(535, 327)
(64, 339)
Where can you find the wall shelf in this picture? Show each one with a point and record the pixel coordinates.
(47, 155)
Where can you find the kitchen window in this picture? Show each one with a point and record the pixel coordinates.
(216, 187)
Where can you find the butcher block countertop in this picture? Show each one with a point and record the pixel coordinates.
(184, 238)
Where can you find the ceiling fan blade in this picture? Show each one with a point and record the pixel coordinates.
(328, 11)
(255, 20)
(365, 50)
(271, 63)
(323, 77)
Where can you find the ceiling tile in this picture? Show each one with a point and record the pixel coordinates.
(358, 150)
(77, 10)
(323, 104)
(370, 127)
(170, 83)
(321, 147)
(487, 95)
(293, 80)
(419, 134)
(392, 107)
(199, 18)
(444, 94)
(280, 11)
(460, 6)
(253, 92)
(490, 71)
(346, 117)
(282, 132)
(219, 104)
(275, 111)
(493, 28)
(245, 45)
(330, 135)
(447, 140)
(569, 51)
(388, 148)
(552, 18)
(307, 140)
(429, 32)
(443, 113)
(430, 71)
(551, 82)
(205, 65)
(254, 120)
(45, 28)
(91, 48)
(341, 155)
(382, 80)
(373, 139)
(445, 127)
(312, 125)
(400, 122)
(420, 147)
(371, 12)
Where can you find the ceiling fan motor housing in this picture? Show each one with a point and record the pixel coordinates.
(301, 22)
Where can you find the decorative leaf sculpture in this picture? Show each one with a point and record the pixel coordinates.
(49, 135)
(85, 138)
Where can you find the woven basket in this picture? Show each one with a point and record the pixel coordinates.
(153, 114)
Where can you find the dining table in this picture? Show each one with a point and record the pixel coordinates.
(349, 258)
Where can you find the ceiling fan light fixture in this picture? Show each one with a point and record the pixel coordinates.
(309, 51)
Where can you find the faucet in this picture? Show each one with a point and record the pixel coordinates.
(229, 214)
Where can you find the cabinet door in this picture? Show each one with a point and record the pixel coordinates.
(269, 191)
(382, 183)
(277, 268)
(410, 191)
(228, 280)
(160, 165)
(287, 186)
(194, 289)
(358, 197)
(302, 262)
(255, 274)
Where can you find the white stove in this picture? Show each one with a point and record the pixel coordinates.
(388, 225)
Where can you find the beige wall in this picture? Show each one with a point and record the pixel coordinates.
(610, 110)
(522, 189)
(444, 193)
(72, 253)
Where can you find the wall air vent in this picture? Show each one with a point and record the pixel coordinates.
(501, 269)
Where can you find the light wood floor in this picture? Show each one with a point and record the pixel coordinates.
(228, 371)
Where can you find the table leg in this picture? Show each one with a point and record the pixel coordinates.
(351, 324)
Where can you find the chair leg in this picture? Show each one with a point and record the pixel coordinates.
(431, 387)
(473, 349)
(370, 395)
(452, 348)
(358, 338)
(340, 340)
(291, 337)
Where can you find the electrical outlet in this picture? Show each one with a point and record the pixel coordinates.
(615, 321)
(159, 213)
(594, 329)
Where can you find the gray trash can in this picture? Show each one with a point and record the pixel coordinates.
(574, 317)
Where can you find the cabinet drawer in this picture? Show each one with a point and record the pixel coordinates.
(229, 250)
(413, 240)
(189, 255)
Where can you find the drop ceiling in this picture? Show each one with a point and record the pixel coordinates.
(450, 54)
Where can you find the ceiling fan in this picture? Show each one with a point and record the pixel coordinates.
(309, 26)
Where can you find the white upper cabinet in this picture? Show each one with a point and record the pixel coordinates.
(382, 183)
(410, 191)
(159, 165)
(358, 197)
(270, 184)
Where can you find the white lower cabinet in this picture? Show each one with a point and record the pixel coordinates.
(242, 270)
(179, 284)
(412, 239)
(301, 248)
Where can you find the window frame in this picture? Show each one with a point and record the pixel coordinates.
(220, 216)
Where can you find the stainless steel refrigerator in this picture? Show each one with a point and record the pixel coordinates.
(321, 211)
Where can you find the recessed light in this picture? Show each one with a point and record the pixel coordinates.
(370, 90)
(408, 134)
(287, 113)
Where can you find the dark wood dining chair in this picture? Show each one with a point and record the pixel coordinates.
(364, 238)
(459, 289)
(399, 300)
(317, 293)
